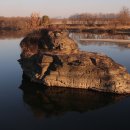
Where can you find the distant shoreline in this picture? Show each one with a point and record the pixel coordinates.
(107, 40)
(118, 30)
(14, 32)
(78, 28)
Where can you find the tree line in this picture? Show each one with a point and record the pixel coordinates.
(24, 23)
(121, 18)
(86, 19)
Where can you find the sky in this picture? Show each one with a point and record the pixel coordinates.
(60, 8)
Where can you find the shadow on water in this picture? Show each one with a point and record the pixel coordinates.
(48, 102)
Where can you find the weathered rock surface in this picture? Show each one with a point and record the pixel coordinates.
(52, 58)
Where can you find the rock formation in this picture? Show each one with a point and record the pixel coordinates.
(53, 59)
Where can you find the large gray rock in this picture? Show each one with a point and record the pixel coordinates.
(63, 65)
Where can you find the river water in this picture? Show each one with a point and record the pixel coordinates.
(27, 106)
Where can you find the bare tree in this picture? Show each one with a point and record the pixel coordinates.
(64, 22)
(34, 21)
(124, 16)
(45, 21)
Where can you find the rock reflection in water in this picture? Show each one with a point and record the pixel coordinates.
(47, 102)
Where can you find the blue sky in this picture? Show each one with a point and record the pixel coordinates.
(56, 8)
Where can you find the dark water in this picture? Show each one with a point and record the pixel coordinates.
(26, 106)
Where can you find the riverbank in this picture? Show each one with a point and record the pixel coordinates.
(101, 29)
(78, 28)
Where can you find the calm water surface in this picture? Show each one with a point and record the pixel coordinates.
(27, 106)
